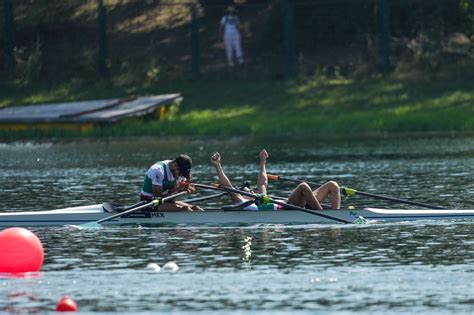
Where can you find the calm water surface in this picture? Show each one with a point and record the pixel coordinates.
(419, 267)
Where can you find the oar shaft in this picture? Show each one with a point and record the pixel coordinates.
(229, 189)
(210, 197)
(414, 203)
(290, 206)
(125, 212)
(198, 199)
(288, 179)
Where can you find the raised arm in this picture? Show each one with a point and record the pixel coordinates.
(262, 183)
(223, 179)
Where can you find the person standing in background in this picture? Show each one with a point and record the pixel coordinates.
(229, 29)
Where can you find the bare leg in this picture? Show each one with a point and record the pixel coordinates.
(303, 195)
(262, 183)
(223, 179)
(331, 190)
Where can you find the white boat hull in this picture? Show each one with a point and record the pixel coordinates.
(85, 214)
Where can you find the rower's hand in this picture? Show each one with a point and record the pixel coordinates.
(216, 158)
(182, 186)
(263, 156)
(191, 188)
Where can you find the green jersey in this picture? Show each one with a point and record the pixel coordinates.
(159, 174)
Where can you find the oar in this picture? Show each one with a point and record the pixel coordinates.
(267, 199)
(198, 199)
(154, 202)
(351, 192)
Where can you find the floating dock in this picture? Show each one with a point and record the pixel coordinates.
(84, 115)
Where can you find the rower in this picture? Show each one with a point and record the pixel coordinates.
(245, 202)
(302, 196)
(168, 177)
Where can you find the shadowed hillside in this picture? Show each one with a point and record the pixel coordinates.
(151, 40)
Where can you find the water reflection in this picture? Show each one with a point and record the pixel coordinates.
(21, 302)
(272, 247)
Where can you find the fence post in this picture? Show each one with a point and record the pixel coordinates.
(8, 36)
(289, 27)
(384, 35)
(196, 58)
(102, 28)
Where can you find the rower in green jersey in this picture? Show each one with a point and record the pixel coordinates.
(301, 196)
(165, 178)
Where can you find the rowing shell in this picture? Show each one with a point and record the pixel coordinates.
(79, 215)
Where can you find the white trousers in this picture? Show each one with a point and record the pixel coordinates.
(232, 44)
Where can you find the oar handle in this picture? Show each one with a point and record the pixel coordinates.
(273, 177)
(288, 179)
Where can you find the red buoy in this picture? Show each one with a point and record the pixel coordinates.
(21, 251)
(66, 304)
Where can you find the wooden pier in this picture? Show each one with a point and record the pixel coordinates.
(84, 115)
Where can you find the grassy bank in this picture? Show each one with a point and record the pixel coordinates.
(315, 105)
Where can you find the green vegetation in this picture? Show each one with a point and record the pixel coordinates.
(315, 105)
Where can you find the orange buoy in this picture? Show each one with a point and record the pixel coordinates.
(21, 251)
(66, 304)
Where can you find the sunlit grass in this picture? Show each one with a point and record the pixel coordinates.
(160, 17)
(211, 115)
(223, 108)
(87, 8)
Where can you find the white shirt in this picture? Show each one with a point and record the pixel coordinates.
(156, 173)
(230, 24)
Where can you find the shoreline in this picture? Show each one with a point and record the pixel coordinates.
(242, 138)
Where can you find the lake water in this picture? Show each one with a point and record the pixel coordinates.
(418, 267)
